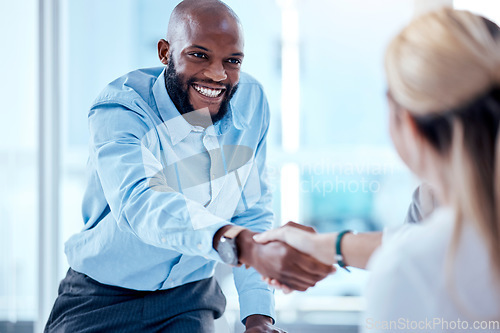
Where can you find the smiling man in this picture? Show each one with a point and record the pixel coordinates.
(208, 56)
(176, 183)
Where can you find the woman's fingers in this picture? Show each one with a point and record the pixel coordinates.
(269, 236)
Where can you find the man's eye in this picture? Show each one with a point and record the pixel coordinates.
(199, 55)
(234, 61)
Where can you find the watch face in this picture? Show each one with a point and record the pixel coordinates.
(227, 251)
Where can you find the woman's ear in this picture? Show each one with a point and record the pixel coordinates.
(413, 146)
(422, 156)
(410, 125)
(163, 48)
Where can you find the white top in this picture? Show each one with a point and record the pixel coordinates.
(411, 290)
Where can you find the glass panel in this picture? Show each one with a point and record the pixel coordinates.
(342, 79)
(18, 162)
(350, 177)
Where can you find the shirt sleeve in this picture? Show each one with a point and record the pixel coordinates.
(255, 296)
(135, 189)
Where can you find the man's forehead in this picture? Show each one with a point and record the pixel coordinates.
(191, 16)
(197, 26)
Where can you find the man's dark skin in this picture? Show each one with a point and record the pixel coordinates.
(205, 44)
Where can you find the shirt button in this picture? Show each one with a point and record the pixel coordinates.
(163, 240)
(200, 246)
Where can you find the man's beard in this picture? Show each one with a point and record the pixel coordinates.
(179, 94)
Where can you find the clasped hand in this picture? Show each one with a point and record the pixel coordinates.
(282, 265)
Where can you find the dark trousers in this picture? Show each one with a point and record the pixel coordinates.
(85, 305)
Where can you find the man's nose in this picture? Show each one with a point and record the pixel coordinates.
(216, 72)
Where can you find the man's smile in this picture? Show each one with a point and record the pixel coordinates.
(208, 92)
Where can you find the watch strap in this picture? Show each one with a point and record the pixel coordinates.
(338, 250)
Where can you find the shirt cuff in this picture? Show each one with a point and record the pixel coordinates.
(212, 253)
(257, 302)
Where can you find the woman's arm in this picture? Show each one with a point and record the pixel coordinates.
(356, 248)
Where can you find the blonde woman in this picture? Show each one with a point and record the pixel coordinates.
(443, 74)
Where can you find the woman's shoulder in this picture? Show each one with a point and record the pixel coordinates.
(411, 271)
(429, 238)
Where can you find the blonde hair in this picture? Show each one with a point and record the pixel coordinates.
(444, 67)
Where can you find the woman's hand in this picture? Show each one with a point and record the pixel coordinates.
(280, 261)
(304, 239)
(296, 235)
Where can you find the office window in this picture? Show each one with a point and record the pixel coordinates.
(18, 166)
(340, 166)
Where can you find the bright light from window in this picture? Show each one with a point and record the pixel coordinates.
(290, 182)
(290, 95)
(487, 8)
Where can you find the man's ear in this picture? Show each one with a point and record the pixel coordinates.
(163, 48)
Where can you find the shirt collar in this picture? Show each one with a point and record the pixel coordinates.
(178, 128)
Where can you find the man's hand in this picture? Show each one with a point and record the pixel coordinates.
(261, 324)
(279, 261)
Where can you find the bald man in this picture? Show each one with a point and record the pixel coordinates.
(176, 183)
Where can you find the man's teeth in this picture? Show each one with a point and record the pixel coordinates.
(207, 91)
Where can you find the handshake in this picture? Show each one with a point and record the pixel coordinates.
(293, 257)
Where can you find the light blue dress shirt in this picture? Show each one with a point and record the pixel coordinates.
(159, 188)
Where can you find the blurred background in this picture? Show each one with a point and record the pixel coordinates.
(331, 162)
